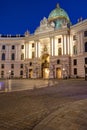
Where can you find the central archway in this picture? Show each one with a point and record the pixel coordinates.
(45, 66)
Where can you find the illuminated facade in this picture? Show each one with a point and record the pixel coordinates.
(57, 49)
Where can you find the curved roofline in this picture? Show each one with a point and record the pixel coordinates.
(50, 18)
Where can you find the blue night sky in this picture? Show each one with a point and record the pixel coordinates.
(16, 16)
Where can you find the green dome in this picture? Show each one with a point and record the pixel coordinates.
(58, 13)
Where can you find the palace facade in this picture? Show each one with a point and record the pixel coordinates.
(57, 49)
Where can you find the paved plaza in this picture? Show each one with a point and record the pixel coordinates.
(57, 105)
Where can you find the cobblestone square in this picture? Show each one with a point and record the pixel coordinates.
(59, 106)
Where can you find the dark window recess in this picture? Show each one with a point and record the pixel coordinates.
(13, 56)
(2, 72)
(30, 63)
(12, 66)
(32, 44)
(59, 40)
(85, 70)
(85, 34)
(74, 37)
(75, 71)
(86, 47)
(2, 66)
(3, 56)
(12, 72)
(75, 62)
(21, 65)
(3, 47)
(86, 60)
(21, 72)
(13, 47)
(22, 46)
(58, 61)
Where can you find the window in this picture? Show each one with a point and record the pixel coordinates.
(85, 70)
(74, 37)
(75, 71)
(59, 40)
(3, 47)
(2, 66)
(3, 56)
(12, 73)
(21, 72)
(75, 62)
(74, 49)
(58, 61)
(59, 51)
(86, 60)
(13, 56)
(22, 46)
(2, 72)
(86, 47)
(32, 45)
(21, 65)
(85, 34)
(30, 63)
(12, 66)
(22, 56)
(13, 47)
(33, 54)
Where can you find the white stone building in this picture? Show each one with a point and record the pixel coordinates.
(57, 49)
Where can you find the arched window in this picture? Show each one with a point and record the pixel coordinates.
(59, 51)
(22, 56)
(13, 56)
(3, 56)
(74, 49)
(86, 47)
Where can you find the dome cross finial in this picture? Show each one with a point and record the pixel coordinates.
(57, 5)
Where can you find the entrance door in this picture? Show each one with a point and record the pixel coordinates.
(45, 73)
(58, 73)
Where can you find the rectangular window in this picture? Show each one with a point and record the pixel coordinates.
(3, 47)
(30, 63)
(85, 70)
(21, 72)
(12, 66)
(21, 65)
(59, 40)
(2, 72)
(32, 45)
(86, 60)
(13, 47)
(58, 61)
(2, 66)
(13, 56)
(75, 62)
(75, 71)
(22, 46)
(85, 34)
(12, 72)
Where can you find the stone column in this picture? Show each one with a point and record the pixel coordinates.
(53, 46)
